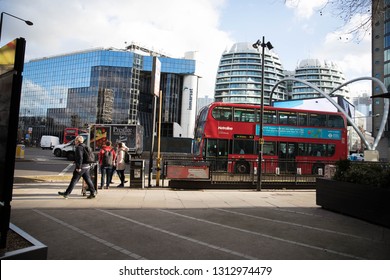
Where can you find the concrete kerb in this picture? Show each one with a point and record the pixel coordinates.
(42, 179)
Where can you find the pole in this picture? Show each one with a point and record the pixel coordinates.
(152, 142)
(261, 140)
(159, 142)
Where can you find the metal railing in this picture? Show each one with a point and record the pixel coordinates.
(275, 172)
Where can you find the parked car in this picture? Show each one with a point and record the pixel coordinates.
(67, 150)
(356, 157)
(49, 142)
(61, 149)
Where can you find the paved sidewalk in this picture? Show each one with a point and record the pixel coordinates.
(160, 223)
(45, 195)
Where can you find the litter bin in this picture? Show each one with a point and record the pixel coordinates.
(93, 172)
(20, 151)
(137, 171)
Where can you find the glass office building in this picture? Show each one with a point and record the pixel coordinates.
(99, 86)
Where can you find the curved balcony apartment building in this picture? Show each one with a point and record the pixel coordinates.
(324, 74)
(239, 76)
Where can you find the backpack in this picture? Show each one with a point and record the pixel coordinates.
(107, 158)
(88, 156)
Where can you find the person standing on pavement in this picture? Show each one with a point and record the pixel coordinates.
(120, 163)
(81, 170)
(106, 162)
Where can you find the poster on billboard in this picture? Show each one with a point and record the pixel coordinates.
(99, 137)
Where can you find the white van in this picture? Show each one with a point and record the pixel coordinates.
(48, 141)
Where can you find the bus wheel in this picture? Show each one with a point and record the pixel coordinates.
(316, 168)
(242, 167)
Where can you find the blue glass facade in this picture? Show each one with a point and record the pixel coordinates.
(97, 86)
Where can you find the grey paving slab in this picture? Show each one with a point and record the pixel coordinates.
(160, 223)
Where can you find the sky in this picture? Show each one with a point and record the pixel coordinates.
(296, 28)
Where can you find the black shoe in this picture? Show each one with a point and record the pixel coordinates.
(125, 182)
(63, 194)
(92, 195)
(120, 186)
(100, 188)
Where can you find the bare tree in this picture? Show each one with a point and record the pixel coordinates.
(356, 14)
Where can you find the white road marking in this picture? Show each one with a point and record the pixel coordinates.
(294, 224)
(91, 236)
(65, 170)
(211, 246)
(265, 235)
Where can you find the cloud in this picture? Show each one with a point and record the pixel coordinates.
(353, 59)
(172, 27)
(353, 56)
(304, 9)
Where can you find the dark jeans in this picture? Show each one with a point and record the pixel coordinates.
(76, 177)
(106, 174)
(121, 175)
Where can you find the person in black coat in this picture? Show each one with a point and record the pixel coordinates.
(81, 170)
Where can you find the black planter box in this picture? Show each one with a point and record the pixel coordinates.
(368, 203)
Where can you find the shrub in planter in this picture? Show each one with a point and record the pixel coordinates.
(365, 173)
(361, 190)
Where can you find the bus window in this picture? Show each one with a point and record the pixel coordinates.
(282, 150)
(302, 149)
(317, 119)
(335, 121)
(222, 148)
(302, 119)
(269, 117)
(289, 118)
(217, 148)
(269, 148)
(203, 115)
(331, 150)
(243, 147)
(211, 149)
(244, 115)
(222, 113)
(317, 150)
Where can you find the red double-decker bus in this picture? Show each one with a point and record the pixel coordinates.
(70, 133)
(228, 134)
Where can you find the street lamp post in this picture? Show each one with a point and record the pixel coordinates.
(4, 13)
(261, 139)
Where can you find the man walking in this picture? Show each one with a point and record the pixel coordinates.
(81, 170)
